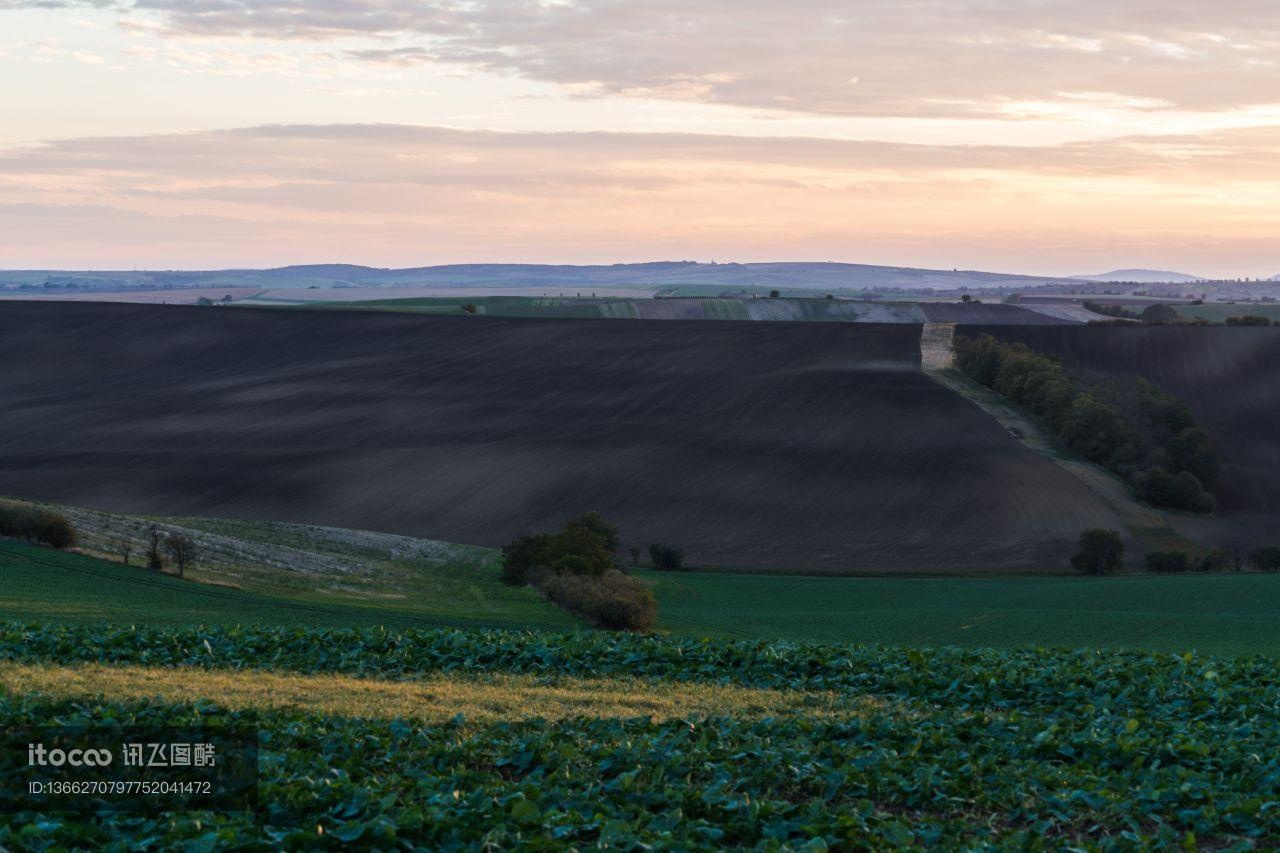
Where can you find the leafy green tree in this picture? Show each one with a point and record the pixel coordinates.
(1099, 552)
(1191, 451)
(583, 546)
(666, 557)
(595, 523)
(523, 555)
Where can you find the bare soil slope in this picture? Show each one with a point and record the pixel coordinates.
(768, 445)
(1229, 376)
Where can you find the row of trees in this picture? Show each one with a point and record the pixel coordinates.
(179, 547)
(1101, 552)
(574, 567)
(1158, 314)
(1128, 426)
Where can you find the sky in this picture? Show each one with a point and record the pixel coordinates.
(1038, 136)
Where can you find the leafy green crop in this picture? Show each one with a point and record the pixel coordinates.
(1018, 750)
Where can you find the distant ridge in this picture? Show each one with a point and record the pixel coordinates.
(1144, 276)
(656, 275)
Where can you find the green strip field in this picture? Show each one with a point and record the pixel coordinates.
(1219, 312)
(1224, 614)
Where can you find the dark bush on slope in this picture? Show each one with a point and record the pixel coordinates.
(36, 525)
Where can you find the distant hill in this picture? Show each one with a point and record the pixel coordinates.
(665, 274)
(1274, 278)
(1145, 276)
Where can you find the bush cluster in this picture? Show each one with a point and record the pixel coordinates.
(36, 525)
(1266, 558)
(575, 569)
(1168, 562)
(1128, 426)
(611, 600)
(1249, 320)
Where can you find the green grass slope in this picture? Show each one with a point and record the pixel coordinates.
(42, 585)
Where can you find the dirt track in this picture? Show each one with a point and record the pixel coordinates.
(1229, 376)
(805, 446)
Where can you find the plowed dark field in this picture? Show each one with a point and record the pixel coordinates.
(1229, 376)
(782, 445)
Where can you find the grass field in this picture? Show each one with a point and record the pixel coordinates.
(1219, 312)
(1227, 614)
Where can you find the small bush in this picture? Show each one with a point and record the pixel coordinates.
(469, 307)
(666, 558)
(612, 600)
(1168, 562)
(1266, 558)
(1216, 560)
(36, 525)
(1160, 313)
(1100, 552)
(1249, 320)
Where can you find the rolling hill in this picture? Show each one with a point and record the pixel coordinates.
(1143, 276)
(810, 446)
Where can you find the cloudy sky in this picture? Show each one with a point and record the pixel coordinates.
(1044, 136)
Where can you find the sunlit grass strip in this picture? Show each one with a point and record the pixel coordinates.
(487, 698)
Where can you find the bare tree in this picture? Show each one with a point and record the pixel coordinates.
(154, 560)
(182, 549)
(123, 546)
(1239, 549)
